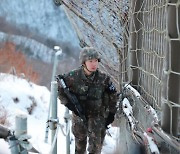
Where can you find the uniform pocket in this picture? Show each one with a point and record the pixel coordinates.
(80, 89)
(78, 128)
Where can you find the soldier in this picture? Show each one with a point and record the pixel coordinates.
(97, 95)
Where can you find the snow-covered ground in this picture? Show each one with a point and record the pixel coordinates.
(17, 96)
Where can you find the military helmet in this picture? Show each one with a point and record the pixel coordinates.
(88, 53)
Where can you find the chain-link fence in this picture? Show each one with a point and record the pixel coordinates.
(139, 41)
(154, 57)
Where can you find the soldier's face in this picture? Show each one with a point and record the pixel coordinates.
(92, 64)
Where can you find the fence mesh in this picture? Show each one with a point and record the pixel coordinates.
(139, 41)
(154, 54)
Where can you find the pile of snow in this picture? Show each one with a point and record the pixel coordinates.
(133, 90)
(18, 96)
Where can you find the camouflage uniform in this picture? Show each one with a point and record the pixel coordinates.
(97, 96)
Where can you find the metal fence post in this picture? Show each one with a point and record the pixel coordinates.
(57, 54)
(13, 143)
(21, 128)
(53, 124)
(67, 118)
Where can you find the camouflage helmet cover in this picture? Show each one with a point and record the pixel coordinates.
(88, 53)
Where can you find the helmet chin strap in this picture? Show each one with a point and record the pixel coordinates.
(84, 65)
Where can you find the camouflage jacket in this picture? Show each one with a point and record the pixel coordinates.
(96, 93)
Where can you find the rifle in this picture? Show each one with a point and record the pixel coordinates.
(72, 98)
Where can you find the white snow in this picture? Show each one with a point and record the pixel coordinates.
(16, 95)
(154, 114)
(152, 145)
(133, 90)
(127, 109)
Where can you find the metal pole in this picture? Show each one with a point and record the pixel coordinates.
(53, 124)
(67, 118)
(5, 134)
(171, 88)
(58, 53)
(13, 142)
(21, 128)
(47, 124)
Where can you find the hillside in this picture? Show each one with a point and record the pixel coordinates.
(36, 27)
(36, 19)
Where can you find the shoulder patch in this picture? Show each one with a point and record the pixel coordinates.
(71, 73)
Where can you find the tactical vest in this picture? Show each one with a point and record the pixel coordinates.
(89, 91)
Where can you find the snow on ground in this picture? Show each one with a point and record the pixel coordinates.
(17, 96)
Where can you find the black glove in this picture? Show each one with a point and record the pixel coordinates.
(109, 119)
(71, 107)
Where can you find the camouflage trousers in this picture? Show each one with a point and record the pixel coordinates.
(92, 135)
